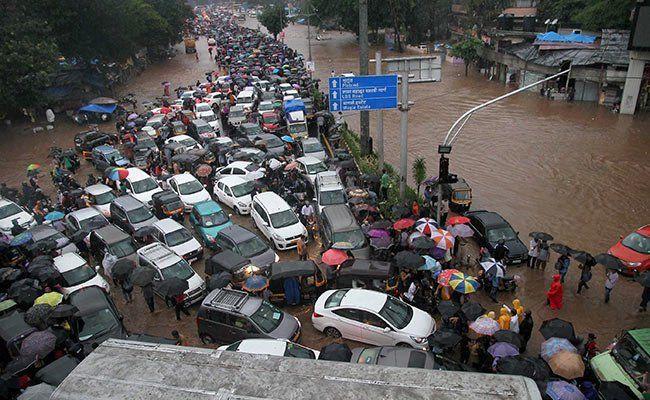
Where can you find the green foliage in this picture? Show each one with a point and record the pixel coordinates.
(467, 49)
(482, 13)
(601, 14)
(274, 19)
(563, 10)
(419, 171)
(175, 12)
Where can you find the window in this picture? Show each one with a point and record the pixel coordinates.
(632, 357)
(637, 242)
(104, 198)
(312, 147)
(122, 248)
(252, 247)
(369, 355)
(283, 218)
(243, 324)
(224, 243)
(332, 197)
(350, 313)
(268, 317)
(79, 275)
(355, 237)
(226, 171)
(181, 270)
(214, 219)
(9, 210)
(97, 323)
(296, 351)
(260, 211)
(94, 222)
(177, 237)
(217, 316)
(190, 187)
(335, 299)
(237, 171)
(139, 214)
(221, 186)
(242, 189)
(396, 312)
(502, 233)
(144, 185)
(371, 319)
(234, 346)
(315, 168)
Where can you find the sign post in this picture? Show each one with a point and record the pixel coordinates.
(363, 93)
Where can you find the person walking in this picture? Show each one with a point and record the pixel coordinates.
(526, 329)
(562, 265)
(554, 294)
(301, 247)
(127, 289)
(179, 306)
(585, 276)
(543, 254)
(611, 277)
(591, 348)
(645, 298)
(500, 250)
(147, 293)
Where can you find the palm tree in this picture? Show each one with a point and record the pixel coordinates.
(419, 171)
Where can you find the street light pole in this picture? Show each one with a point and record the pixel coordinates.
(380, 118)
(364, 118)
(404, 108)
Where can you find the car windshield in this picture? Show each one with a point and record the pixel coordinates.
(94, 222)
(462, 195)
(236, 113)
(208, 118)
(177, 237)
(273, 142)
(396, 312)
(139, 214)
(637, 242)
(202, 107)
(283, 218)
(267, 317)
(503, 233)
(252, 247)
(190, 187)
(313, 169)
(632, 357)
(335, 298)
(144, 185)
(369, 355)
(242, 189)
(312, 147)
(98, 323)
(296, 351)
(104, 198)
(252, 167)
(355, 237)
(214, 219)
(332, 197)
(9, 210)
(180, 270)
(78, 275)
(113, 156)
(297, 128)
(122, 248)
(270, 119)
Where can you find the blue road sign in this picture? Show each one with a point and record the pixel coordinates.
(363, 93)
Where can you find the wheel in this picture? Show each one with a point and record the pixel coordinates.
(332, 332)
(404, 345)
(207, 339)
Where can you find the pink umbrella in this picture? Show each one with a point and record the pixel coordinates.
(484, 326)
(461, 230)
(377, 233)
(443, 239)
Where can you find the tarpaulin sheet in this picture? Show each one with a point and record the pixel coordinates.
(99, 108)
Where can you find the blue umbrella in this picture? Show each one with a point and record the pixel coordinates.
(554, 345)
(255, 283)
(430, 264)
(561, 390)
(21, 239)
(287, 139)
(54, 216)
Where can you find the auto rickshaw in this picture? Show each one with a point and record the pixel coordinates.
(228, 261)
(205, 155)
(308, 274)
(178, 128)
(186, 162)
(190, 44)
(457, 192)
(141, 156)
(167, 204)
(365, 274)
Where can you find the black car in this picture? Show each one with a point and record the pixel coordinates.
(97, 318)
(167, 204)
(249, 131)
(86, 141)
(490, 227)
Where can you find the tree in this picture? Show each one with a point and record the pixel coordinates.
(468, 50)
(482, 13)
(562, 10)
(175, 12)
(419, 171)
(604, 14)
(274, 19)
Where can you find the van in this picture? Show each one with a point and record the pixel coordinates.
(277, 221)
(296, 124)
(130, 214)
(329, 190)
(246, 99)
(141, 185)
(340, 229)
(113, 240)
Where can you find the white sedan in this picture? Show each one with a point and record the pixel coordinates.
(77, 274)
(189, 189)
(272, 347)
(186, 141)
(10, 211)
(244, 169)
(372, 317)
(235, 192)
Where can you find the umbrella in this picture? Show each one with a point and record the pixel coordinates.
(122, 268)
(561, 249)
(447, 308)
(172, 287)
(132, 116)
(335, 352)
(493, 267)
(255, 283)
(220, 280)
(203, 170)
(503, 349)
(287, 139)
(567, 364)
(472, 310)
(51, 298)
(116, 174)
(142, 276)
(381, 243)
(422, 243)
(21, 239)
(64, 310)
(290, 166)
(557, 328)
(461, 230)
(334, 257)
(18, 364)
(507, 336)
(9, 274)
(408, 259)
(426, 225)
(38, 315)
(404, 223)
(445, 275)
(457, 219)
(523, 365)
(582, 257)
(554, 345)
(33, 167)
(383, 224)
(369, 177)
(39, 343)
(541, 236)
(609, 261)
(616, 391)
(45, 273)
(55, 372)
(561, 390)
(484, 326)
(430, 264)
(25, 291)
(462, 283)
(643, 279)
(443, 239)
(54, 216)
(444, 338)
(42, 391)
(145, 231)
(376, 233)
(43, 246)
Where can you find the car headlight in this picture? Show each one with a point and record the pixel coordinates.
(417, 339)
(634, 264)
(277, 237)
(277, 257)
(240, 204)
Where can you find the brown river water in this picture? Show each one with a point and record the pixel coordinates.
(574, 170)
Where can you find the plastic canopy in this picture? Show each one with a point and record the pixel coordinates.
(294, 105)
(99, 108)
(568, 38)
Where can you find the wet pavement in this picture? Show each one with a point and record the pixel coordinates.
(574, 170)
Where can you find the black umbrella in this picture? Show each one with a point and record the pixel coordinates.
(383, 224)
(122, 268)
(38, 315)
(144, 232)
(142, 276)
(25, 291)
(609, 261)
(335, 352)
(369, 177)
(408, 259)
(561, 249)
(523, 365)
(541, 236)
(39, 261)
(444, 338)
(423, 243)
(63, 311)
(615, 390)
(220, 280)
(557, 328)
(583, 257)
(643, 279)
(78, 236)
(55, 372)
(447, 308)
(45, 274)
(43, 246)
(38, 344)
(472, 310)
(508, 336)
(9, 274)
(172, 287)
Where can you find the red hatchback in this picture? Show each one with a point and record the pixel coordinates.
(634, 250)
(270, 122)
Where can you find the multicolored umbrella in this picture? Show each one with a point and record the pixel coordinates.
(493, 267)
(464, 284)
(443, 239)
(445, 276)
(457, 219)
(484, 326)
(561, 390)
(33, 167)
(117, 174)
(54, 216)
(334, 257)
(567, 364)
(426, 226)
(554, 345)
(404, 223)
(461, 230)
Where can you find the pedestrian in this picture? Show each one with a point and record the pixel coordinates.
(554, 294)
(494, 288)
(504, 319)
(127, 288)
(16, 229)
(415, 209)
(107, 264)
(533, 252)
(307, 212)
(585, 276)
(591, 348)
(645, 298)
(516, 305)
(542, 257)
(611, 277)
(179, 305)
(514, 321)
(444, 211)
(301, 247)
(500, 251)
(384, 183)
(526, 329)
(180, 339)
(147, 293)
(562, 266)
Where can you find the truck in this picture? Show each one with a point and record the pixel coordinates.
(120, 369)
(190, 44)
(294, 114)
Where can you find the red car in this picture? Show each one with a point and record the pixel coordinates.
(634, 250)
(270, 122)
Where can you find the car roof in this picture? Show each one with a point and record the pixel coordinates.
(267, 102)
(128, 202)
(361, 298)
(272, 202)
(179, 138)
(239, 164)
(89, 299)
(111, 234)
(96, 189)
(249, 125)
(488, 217)
(42, 231)
(265, 346)
(84, 213)
(237, 107)
(167, 225)
(184, 177)
(232, 180)
(161, 255)
(208, 206)
(199, 121)
(68, 261)
(308, 160)
(245, 93)
(340, 217)
(237, 233)
(270, 113)
(137, 173)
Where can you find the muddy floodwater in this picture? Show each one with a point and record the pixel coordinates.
(574, 170)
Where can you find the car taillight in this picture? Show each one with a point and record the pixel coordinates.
(316, 315)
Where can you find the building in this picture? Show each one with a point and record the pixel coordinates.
(636, 94)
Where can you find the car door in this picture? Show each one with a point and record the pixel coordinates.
(373, 330)
(242, 328)
(348, 322)
(230, 198)
(215, 324)
(479, 229)
(225, 244)
(256, 213)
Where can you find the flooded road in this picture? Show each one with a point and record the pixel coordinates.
(574, 170)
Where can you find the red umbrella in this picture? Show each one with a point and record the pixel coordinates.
(334, 257)
(457, 219)
(445, 276)
(403, 223)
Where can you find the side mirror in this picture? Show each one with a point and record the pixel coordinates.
(97, 267)
(387, 330)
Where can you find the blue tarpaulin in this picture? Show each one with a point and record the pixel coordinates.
(99, 108)
(294, 105)
(569, 38)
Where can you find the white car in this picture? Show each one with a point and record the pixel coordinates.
(277, 221)
(310, 167)
(372, 317)
(272, 347)
(178, 238)
(212, 120)
(244, 169)
(235, 192)
(77, 274)
(100, 196)
(265, 106)
(313, 148)
(188, 94)
(141, 185)
(202, 107)
(10, 211)
(189, 189)
(246, 99)
(284, 87)
(236, 115)
(186, 141)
